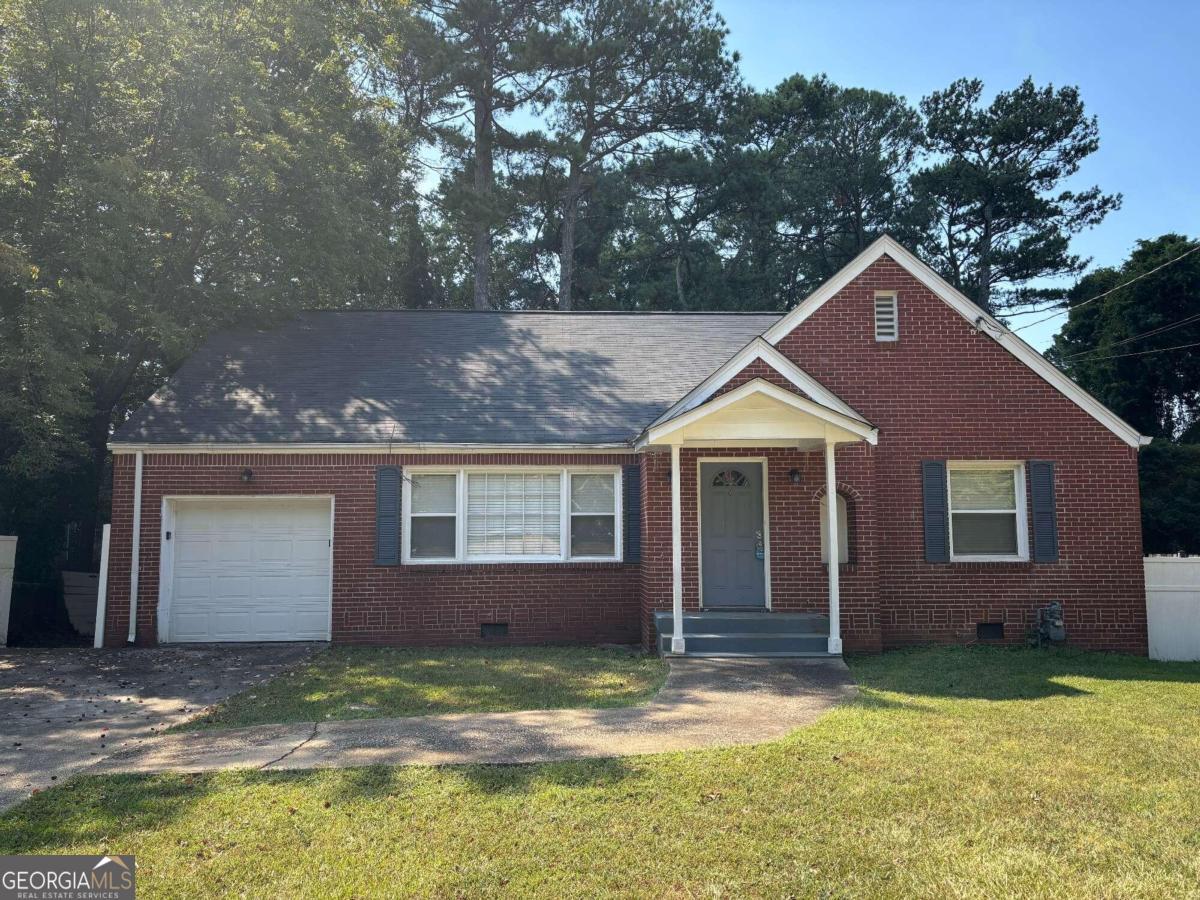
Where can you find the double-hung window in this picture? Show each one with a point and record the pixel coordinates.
(987, 511)
(433, 515)
(511, 515)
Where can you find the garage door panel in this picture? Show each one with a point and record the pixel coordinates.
(311, 551)
(233, 549)
(251, 571)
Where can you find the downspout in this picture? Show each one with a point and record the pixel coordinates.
(135, 550)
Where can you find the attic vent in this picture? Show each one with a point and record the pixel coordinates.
(887, 326)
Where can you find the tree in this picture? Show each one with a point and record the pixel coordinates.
(809, 174)
(998, 214)
(497, 56)
(167, 168)
(636, 70)
(1114, 346)
(1119, 347)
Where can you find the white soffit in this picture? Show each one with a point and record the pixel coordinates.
(851, 424)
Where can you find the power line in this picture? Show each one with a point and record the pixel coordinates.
(1171, 327)
(1109, 291)
(1145, 352)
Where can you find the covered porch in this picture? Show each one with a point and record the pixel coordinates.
(748, 470)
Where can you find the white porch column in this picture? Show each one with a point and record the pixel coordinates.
(831, 528)
(677, 643)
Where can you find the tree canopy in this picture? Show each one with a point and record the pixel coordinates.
(172, 167)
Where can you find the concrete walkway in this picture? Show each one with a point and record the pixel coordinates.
(704, 703)
(62, 709)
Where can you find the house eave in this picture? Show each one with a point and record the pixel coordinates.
(394, 447)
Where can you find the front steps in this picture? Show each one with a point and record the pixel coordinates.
(717, 633)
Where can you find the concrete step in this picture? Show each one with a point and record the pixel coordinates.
(721, 622)
(735, 633)
(749, 644)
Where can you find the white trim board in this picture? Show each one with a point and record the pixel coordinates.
(759, 349)
(855, 426)
(975, 315)
(394, 448)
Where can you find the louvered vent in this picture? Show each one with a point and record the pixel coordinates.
(886, 319)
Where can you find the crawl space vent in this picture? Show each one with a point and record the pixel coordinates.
(989, 631)
(493, 629)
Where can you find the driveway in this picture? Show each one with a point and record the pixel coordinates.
(704, 703)
(64, 709)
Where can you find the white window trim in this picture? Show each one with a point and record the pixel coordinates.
(460, 522)
(894, 297)
(1018, 470)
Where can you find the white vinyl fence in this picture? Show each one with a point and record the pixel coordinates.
(1173, 606)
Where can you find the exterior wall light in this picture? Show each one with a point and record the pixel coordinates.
(247, 475)
(795, 476)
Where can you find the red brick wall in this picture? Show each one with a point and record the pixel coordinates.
(942, 391)
(377, 604)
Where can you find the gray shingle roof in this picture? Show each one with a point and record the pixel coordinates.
(441, 377)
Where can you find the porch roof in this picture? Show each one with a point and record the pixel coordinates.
(759, 413)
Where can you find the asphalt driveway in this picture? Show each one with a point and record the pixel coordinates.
(64, 709)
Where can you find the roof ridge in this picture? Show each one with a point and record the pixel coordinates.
(556, 312)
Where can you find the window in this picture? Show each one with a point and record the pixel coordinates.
(887, 319)
(593, 516)
(843, 522)
(433, 509)
(730, 478)
(987, 511)
(511, 515)
(514, 514)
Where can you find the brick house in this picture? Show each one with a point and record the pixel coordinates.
(442, 477)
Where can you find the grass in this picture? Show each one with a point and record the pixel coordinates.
(367, 682)
(958, 773)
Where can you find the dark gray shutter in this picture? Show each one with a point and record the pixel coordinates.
(933, 490)
(387, 515)
(1045, 519)
(631, 507)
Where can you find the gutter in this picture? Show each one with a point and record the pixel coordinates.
(135, 550)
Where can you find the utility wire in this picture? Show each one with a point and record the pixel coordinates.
(1145, 352)
(1109, 291)
(1171, 327)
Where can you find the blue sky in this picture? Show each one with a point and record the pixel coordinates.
(1136, 65)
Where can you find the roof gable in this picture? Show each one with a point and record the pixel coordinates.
(758, 350)
(972, 313)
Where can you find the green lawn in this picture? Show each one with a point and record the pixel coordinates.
(958, 773)
(366, 682)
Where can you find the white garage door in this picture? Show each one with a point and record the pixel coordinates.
(250, 570)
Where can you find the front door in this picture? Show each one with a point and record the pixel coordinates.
(732, 548)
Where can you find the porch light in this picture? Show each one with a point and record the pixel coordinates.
(795, 476)
(247, 475)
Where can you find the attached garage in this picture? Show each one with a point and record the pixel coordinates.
(246, 569)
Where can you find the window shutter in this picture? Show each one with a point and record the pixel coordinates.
(1045, 518)
(387, 515)
(933, 489)
(631, 503)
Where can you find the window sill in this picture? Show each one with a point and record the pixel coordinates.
(513, 563)
(989, 559)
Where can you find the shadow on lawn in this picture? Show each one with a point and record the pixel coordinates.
(89, 811)
(1000, 673)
